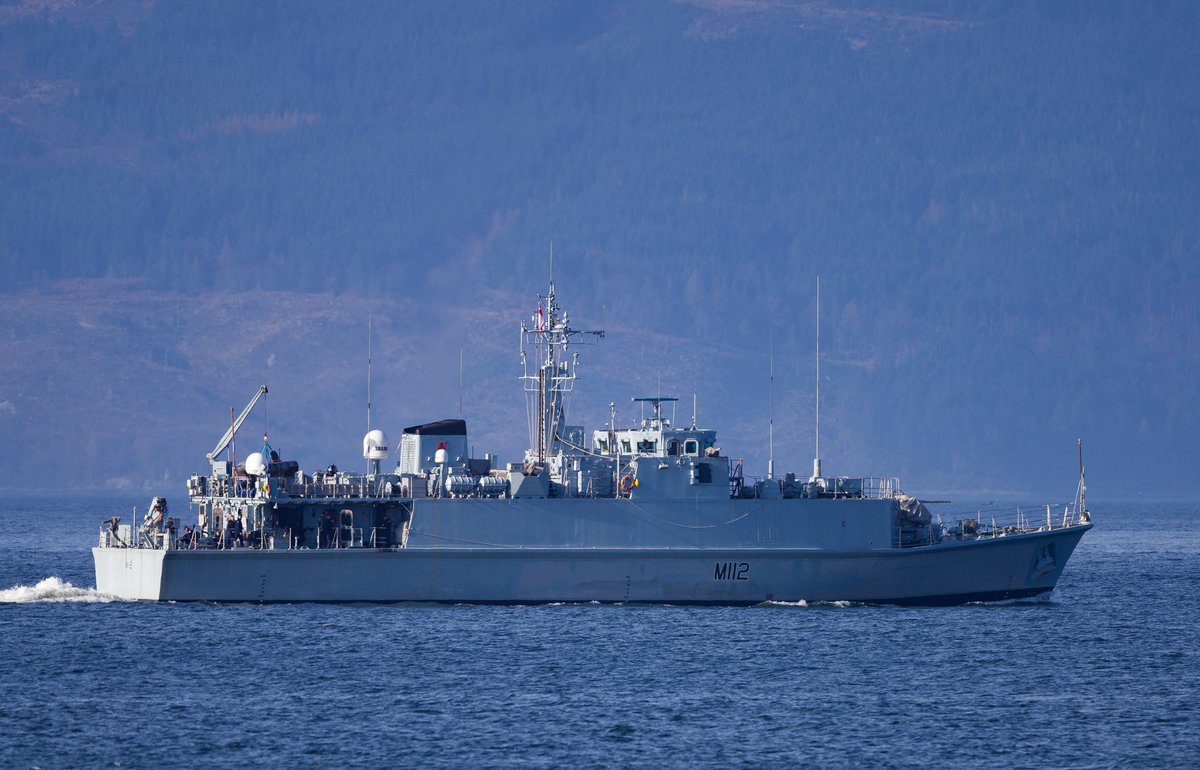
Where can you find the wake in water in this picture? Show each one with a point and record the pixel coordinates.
(803, 603)
(52, 589)
(1040, 600)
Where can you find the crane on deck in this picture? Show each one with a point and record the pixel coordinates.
(224, 442)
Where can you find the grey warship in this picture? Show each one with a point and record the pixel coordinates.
(652, 513)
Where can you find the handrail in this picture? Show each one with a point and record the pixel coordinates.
(993, 523)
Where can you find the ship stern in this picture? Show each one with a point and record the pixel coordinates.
(129, 573)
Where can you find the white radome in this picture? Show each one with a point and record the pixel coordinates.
(375, 445)
(255, 464)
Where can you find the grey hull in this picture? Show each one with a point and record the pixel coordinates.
(995, 568)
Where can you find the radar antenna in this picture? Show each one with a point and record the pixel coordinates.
(656, 416)
(548, 337)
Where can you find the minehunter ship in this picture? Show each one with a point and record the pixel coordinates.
(656, 512)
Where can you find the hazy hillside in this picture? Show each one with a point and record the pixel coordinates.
(1001, 200)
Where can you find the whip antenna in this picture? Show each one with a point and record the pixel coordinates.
(368, 374)
(771, 411)
(817, 449)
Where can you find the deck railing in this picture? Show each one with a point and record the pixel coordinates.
(986, 523)
(998, 522)
(879, 488)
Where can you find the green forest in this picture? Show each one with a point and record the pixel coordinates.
(1000, 198)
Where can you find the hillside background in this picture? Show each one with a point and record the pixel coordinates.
(1002, 201)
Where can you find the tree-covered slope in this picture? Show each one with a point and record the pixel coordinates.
(1001, 200)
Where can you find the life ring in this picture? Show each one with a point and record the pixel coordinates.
(627, 483)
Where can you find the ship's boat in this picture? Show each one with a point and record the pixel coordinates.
(656, 512)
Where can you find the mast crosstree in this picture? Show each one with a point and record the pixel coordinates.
(549, 372)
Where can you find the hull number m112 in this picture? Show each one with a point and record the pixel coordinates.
(732, 570)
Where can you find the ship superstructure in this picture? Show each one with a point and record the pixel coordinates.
(653, 512)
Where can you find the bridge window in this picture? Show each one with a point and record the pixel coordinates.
(602, 444)
(647, 446)
(625, 447)
(672, 447)
(692, 447)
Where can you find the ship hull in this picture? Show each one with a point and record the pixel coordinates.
(1015, 566)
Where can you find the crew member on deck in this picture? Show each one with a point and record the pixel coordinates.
(325, 530)
(383, 533)
(233, 531)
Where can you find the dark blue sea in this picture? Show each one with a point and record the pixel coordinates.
(1105, 673)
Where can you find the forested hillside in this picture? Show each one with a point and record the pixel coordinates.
(1001, 200)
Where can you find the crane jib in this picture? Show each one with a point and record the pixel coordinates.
(224, 442)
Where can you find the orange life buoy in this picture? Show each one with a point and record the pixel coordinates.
(627, 483)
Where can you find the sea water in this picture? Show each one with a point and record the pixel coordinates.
(1104, 673)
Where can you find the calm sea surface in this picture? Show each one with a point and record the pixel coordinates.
(1106, 673)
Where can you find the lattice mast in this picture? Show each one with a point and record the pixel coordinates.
(549, 372)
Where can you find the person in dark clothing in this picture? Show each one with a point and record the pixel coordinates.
(233, 531)
(325, 530)
(112, 528)
(383, 533)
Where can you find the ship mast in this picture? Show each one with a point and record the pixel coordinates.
(770, 413)
(817, 451)
(370, 465)
(549, 372)
(368, 374)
